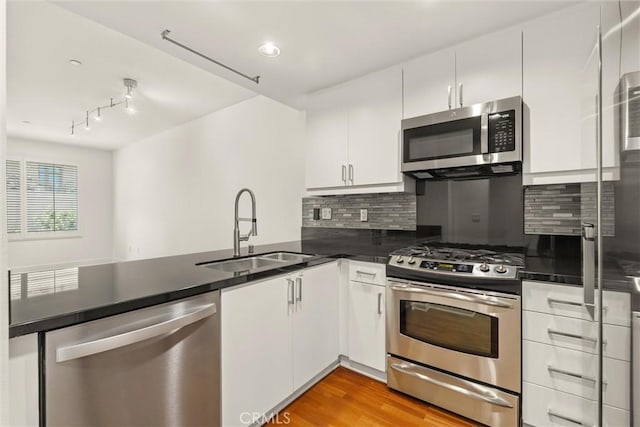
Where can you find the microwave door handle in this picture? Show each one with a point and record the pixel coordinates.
(484, 133)
(449, 90)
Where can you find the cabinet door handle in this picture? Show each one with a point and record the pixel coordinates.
(568, 335)
(553, 370)
(351, 173)
(449, 96)
(551, 301)
(344, 174)
(299, 283)
(569, 419)
(379, 302)
(290, 296)
(460, 93)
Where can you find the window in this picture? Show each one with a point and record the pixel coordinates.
(42, 198)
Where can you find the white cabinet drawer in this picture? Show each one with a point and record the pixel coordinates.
(559, 368)
(566, 301)
(549, 329)
(538, 403)
(367, 272)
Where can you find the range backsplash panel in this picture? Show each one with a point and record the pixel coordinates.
(385, 211)
(560, 209)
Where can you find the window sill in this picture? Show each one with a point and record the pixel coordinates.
(48, 236)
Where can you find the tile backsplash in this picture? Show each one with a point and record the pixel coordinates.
(557, 209)
(385, 211)
(561, 208)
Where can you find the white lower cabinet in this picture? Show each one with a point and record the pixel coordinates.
(315, 323)
(560, 362)
(575, 372)
(23, 381)
(277, 334)
(545, 407)
(367, 324)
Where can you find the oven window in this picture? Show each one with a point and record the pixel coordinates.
(442, 140)
(450, 327)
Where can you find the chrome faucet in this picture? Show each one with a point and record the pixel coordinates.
(237, 237)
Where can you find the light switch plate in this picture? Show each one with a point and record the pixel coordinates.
(363, 215)
(326, 213)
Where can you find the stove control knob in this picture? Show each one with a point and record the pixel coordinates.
(400, 260)
(411, 260)
(484, 267)
(501, 269)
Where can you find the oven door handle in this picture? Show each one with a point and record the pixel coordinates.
(482, 393)
(453, 295)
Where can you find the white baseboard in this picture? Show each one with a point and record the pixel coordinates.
(363, 369)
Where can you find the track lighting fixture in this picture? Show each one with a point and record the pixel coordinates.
(96, 113)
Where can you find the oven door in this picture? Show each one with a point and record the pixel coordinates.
(471, 333)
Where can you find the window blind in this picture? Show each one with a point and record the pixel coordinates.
(52, 197)
(14, 210)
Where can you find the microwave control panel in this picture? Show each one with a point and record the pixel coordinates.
(502, 133)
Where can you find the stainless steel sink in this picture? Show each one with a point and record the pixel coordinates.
(258, 262)
(286, 256)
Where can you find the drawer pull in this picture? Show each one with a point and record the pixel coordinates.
(366, 273)
(571, 420)
(571, 374)
(563, 302)
(568, 335)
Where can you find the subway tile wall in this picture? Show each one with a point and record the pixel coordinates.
(385, 211)
(560, 209)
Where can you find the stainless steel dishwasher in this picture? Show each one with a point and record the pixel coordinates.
(158, 366)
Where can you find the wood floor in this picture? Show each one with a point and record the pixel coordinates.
(345, 398)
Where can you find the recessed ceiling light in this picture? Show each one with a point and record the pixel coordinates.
(269, 50)
(26, 122)
(75, 62)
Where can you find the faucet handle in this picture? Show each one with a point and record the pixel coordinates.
(250, 249)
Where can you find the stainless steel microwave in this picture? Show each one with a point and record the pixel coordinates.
(475, 141)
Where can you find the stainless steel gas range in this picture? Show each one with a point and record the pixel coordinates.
(453, 329)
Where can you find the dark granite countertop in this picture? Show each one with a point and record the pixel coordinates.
(92, 292)
(563, 263)
(107, 289)
(95, 291)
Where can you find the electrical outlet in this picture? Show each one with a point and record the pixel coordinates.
(363, 215)
(475, 217)
(326, 213)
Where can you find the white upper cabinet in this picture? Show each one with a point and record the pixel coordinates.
(427, 82)
(560, 88)
(327, 132)
(353, 135)
(480, 70)
(375, 113)
(489, 67)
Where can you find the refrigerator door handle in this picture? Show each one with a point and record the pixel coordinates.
(589, 267)
(101, 345)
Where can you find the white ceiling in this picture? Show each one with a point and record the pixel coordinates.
(323, 42)
(44, 88)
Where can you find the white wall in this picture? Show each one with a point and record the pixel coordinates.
(4, 291)
(174, 192)
(95, 206)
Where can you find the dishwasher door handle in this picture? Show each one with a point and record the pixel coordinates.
(101, 345)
